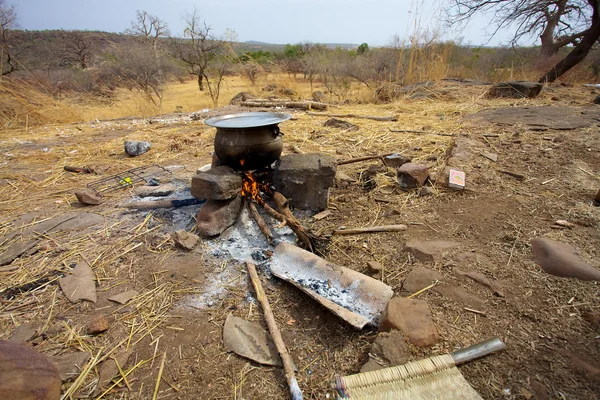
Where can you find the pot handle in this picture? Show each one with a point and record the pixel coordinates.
(275, 131)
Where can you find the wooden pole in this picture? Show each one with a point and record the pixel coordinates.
(366, 158)
(372, 229)
(288, 365)
(260, 221)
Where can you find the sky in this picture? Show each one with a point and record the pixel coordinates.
(282, 21)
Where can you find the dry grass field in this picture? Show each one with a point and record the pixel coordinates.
(552, 348)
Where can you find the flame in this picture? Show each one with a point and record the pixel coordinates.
(250, 187)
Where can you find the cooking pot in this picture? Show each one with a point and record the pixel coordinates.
(248, 141)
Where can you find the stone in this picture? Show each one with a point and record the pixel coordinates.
(597, 197)
(250, 340)
(217, 215)
(490, 156)
(374, 267)
(343, 177)
(494, 286)
(69, 365)
(412, 176)
(515, 89)
(219, 183)
(338, 123)
(412, 318)
(155, 191)
(372, 365)
(419, 278)
(318, 96)
(241, 97)
(88, 196)
(391, 347)
(597, 99)
(109, 369)
(305, 179)
(428, 251)
(426, 191)
(99, 323)
(80, 285)
(270, 88)
(135, 148)
(26, 374)
(185, 239)
(396, 160)
(561, 259)
(287, 92)
(124, 297)
(23, 333)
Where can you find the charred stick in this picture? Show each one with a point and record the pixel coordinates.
(288, 364)
(366, 158)
(169, 203)
(303, 235)
(371, 229)
(260, 221)
(269, 210)
(78, 170)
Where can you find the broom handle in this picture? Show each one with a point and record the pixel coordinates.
(274, 330)
(477, 350)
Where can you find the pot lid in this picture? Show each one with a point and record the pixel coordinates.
(247, 120)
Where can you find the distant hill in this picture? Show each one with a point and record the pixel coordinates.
(257, 45)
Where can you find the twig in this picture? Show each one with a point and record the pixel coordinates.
(78, 170)
(422, 132)
(513, 248)
(374, 118)
(384, 228)
(296, 149)
(513, 174)
(475, 311)
(365, 158)
(288, 365)
(423, 290)
(302, 233)
(160, 372)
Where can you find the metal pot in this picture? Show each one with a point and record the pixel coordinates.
(248, 141)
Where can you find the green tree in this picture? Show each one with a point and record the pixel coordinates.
(362, 49)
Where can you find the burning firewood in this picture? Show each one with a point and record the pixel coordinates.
(260, 221)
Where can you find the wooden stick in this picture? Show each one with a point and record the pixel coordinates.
(260, 221)
(147, 205)
(372, 229)
(513, 174)
(269, 210)
(421, 132)
(288, 365)
(296, 149)
(365, 158)
(304, 105)
(303, 236)
(374, 118)
(78, 170)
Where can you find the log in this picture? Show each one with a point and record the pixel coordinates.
(260, 221)
(365, 158)
(372, 117)
(170, 203)
(78, 170)
(372, 229)
(303, 105)
(288, 364)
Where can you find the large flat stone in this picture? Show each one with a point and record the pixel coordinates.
(413, 319)
(515, 89)
(305, 179)
(428, 251)
(561, 259)
(217, 215)
(219, 183)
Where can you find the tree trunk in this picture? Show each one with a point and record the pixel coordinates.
(200, 82)
(579, 52)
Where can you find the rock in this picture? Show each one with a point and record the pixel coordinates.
(99, 323)
(270, 88)
(219, 183)
(338, 123)
(374, 267)
(412, 318)
(482, 279)
(597, 197)
(419, 278)
(124, 297)
(396, 160)
(217, 215)
(155, 191)
(540, 391)
(26, 374)
(250, 340)
(515, 89)
(490, 156)
(240, 97)
(305, 179)
(23, 333)
(597, 99)
(88, 196)
(391, 347)
(411, 176)
(560, 259)
(428, 251)
(185, 240)
(372, 365)
(318, 96)
(593, 318)
(426, 191)
(80, 285)
(343, 177)
(69, 366)
(135, 148)
(287, 92)
(109, 369)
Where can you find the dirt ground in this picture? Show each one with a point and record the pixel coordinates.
(552, 350)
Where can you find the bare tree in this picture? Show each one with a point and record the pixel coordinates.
(8, 20)
(198, 48)
(148, 27)
(76, 50)
(557, 22)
